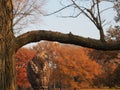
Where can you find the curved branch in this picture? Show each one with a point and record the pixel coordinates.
(35, 36)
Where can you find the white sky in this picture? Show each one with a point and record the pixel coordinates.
(79, 26)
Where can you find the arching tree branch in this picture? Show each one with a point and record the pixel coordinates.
(35, 36)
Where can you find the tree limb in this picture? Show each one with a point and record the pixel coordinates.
(35, 36)
(83, 11)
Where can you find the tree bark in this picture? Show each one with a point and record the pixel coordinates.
(7, 51)
(35, 36)
(7, 69)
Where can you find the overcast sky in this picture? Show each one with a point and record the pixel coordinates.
(78, 26)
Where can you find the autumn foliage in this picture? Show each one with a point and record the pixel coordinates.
(72, 66)
(110, 62)
(23, 56)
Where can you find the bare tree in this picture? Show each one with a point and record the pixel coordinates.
(26, 12)
(92, 12)
(117, 8)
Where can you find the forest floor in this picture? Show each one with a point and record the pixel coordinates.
(99, 89)
(93, 89)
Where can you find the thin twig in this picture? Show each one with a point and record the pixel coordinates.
(58, 10)
(83, 11)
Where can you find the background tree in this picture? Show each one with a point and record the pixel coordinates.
(109, 60)
(9, 43)
(71, 70)
(107, 78)
(117, 8)
(26, 12)
(23, 56)
(38, 71)
(113, 34)
(92, 10)
(70, 65)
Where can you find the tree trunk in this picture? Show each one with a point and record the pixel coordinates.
(7, 43)
(54, 85)
(44, 89)
(102, 36)
(41, 89)
(7, 69)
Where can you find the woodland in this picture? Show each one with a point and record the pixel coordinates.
(104, 68)
(72, 67)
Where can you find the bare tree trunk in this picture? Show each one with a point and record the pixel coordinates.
(7, 52)
(102, 36)
(54, 84)
(40, 88)
(7, 72)
(44, 89)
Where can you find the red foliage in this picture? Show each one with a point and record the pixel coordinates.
(69, 62)
(72, 66)
(23, 56)
(109, 61)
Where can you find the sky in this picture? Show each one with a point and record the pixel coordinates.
(78, 26)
